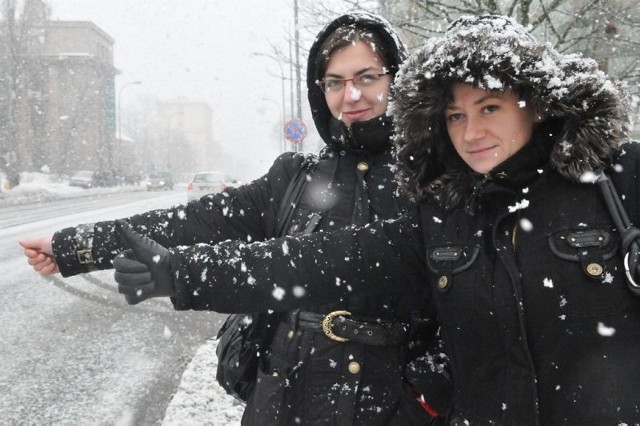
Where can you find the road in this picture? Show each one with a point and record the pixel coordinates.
(71, 350)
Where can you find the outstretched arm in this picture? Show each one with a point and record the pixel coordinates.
(288, 273)
(40, 255)
(247, 213)
(279, 274)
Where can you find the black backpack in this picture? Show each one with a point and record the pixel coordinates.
(243, 339)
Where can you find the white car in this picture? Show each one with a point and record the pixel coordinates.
(204, 183)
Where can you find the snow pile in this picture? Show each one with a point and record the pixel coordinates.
(199, 399)
(39, 187)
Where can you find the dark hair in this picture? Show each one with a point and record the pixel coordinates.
(348, 35)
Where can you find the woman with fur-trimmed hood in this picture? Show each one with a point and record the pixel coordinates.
(499, 137)
(522, 255)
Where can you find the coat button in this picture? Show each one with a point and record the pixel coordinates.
(443, 282)
(594, 269)
(290, 334)
(362, 166)
(354, 367)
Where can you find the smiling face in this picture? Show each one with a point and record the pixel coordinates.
(354, 103)
(487, 127)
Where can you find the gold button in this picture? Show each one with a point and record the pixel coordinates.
(594, 269)
(290, 334)
(354, 367)
(443, 282)
(363, 167)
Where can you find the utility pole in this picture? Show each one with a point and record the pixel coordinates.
(298, 70)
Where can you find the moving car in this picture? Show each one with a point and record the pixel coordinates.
(204, 183)
(160, 181)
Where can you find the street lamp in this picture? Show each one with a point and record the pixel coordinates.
(119, 130)
(282, 78)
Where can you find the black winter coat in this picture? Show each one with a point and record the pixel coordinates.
(532, 337)
(308, 378)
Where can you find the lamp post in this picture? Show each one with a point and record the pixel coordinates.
(282, 78)
(283, 145)
(119, 130)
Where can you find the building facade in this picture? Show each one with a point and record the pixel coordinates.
(58, 100)
(186, 137)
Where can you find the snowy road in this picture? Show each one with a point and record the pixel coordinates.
(71, 350)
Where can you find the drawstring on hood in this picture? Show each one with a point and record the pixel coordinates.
(584, 111)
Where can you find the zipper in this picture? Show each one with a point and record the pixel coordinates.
(470, 203)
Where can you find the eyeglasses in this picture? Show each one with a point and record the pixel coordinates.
(334, 85)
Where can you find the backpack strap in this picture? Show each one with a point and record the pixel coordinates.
(629, 234)
(292, 195)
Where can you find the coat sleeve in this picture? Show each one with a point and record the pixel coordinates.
(293, 272)
(247, 213)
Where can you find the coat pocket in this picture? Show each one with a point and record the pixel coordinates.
(592, 280)
(456, 283)
(266, 406)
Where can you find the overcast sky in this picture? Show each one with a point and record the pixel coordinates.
(201, 50)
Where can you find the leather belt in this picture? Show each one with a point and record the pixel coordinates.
(338, 326)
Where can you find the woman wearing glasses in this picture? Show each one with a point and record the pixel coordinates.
(310, 377)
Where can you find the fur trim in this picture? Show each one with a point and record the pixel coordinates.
(495, 53)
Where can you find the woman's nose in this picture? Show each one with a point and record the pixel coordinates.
(474, 129)
(351, 92)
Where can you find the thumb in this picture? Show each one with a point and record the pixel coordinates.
(144, 248)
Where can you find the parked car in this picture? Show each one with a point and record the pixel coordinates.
(204, 183)
(160, 181)
(91, 179)
(83, 179)
(105, 178)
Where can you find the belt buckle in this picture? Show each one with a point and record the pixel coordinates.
(327, 327)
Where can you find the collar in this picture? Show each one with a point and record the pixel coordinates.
(516, 172)
(372, 136)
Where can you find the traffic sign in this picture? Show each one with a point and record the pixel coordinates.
(295, 131)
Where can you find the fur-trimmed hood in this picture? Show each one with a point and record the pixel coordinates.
(396, 53)
(586, 108)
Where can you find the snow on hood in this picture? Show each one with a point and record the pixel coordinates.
(493, 53)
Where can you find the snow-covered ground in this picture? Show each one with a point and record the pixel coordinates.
(198, 400)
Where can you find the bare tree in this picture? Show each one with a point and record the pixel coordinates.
(18, 76)
(606, 30)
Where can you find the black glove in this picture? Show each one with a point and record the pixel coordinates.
(144, 270)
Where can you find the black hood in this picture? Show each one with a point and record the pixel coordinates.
(319, 109)
(585, 108)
